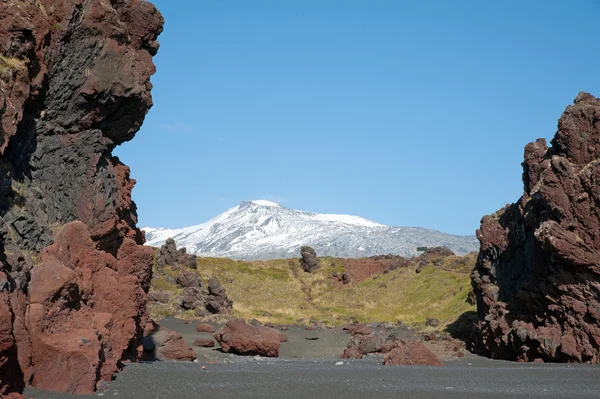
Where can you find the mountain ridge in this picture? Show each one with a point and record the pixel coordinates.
(261, 230)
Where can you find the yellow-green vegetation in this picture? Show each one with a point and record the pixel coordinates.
(279, 291)
(8, 66)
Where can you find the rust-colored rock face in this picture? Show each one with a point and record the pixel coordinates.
(74, 83)
(244, 339)
(537, 278)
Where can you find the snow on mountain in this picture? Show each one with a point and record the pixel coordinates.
(263, 229)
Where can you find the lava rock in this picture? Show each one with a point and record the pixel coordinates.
(243, 339)
(309, 261)
(537, 275)
(410, 353)
(168, 254)
(204, 327)
(169, 345)
(76, 91)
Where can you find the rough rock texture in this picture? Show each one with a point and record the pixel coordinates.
(243, 339)
(203, 327)
(309, 261)
(196, 295)
(217, 300)
(410, 353)
(433, 255)
(168, 254)
(74, 83)
(165, 344)
(537, 278)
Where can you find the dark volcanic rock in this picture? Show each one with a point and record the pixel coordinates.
(432, 322)
(168, 254)
(74, 84)
(243, 339)
(309, 261)
(217, 300)
(537, 278)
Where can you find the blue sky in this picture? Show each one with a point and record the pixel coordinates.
(409, 113)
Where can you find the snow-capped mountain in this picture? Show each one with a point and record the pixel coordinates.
(266, 230)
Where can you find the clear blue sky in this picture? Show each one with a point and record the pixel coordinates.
(409, 113)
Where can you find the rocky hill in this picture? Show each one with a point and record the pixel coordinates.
(74, 83)
(537, 278)
(260, 230)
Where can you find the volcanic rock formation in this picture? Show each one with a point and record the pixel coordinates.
(168, 254)
(309, 261)
(74, 84)
(537, 278)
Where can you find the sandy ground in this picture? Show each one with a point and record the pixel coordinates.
(312, 369)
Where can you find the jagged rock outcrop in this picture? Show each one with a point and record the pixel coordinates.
(309, 261)
(203, 299)
(74, 84)
(168, 254)
(537, 278)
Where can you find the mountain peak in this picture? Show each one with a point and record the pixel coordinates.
(244, 204)
(262, 229)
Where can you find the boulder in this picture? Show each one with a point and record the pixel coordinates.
(361, 329)
(430, 322)
(537, 275)
(243, 339)
(351, 353)
(309, 261)
(217, 300)
(410, 353)
(204, 327)
(169, 345)
(169, 255)
(346, 279)
(188, 278)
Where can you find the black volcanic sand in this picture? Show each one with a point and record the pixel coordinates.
(367, 378)
(312, 369)
(330, 343)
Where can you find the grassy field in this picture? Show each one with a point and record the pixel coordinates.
(279, 291)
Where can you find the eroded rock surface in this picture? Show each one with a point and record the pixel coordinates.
(74, 84)
(309, 261)
(168, 254)
(244, 339)
(537, 278)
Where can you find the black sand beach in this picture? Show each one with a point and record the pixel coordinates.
(312, 369)
(467, 378)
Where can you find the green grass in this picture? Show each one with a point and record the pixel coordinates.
(8, 66)
(281, 288)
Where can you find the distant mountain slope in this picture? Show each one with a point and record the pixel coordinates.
(266, 230)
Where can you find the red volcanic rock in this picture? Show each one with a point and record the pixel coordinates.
(410, 353)
(361, 329)
(74, 84)
(537, 276)
(67, 334)
(351, 353)
(169, 345)
(243, 339)
(203, 327)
